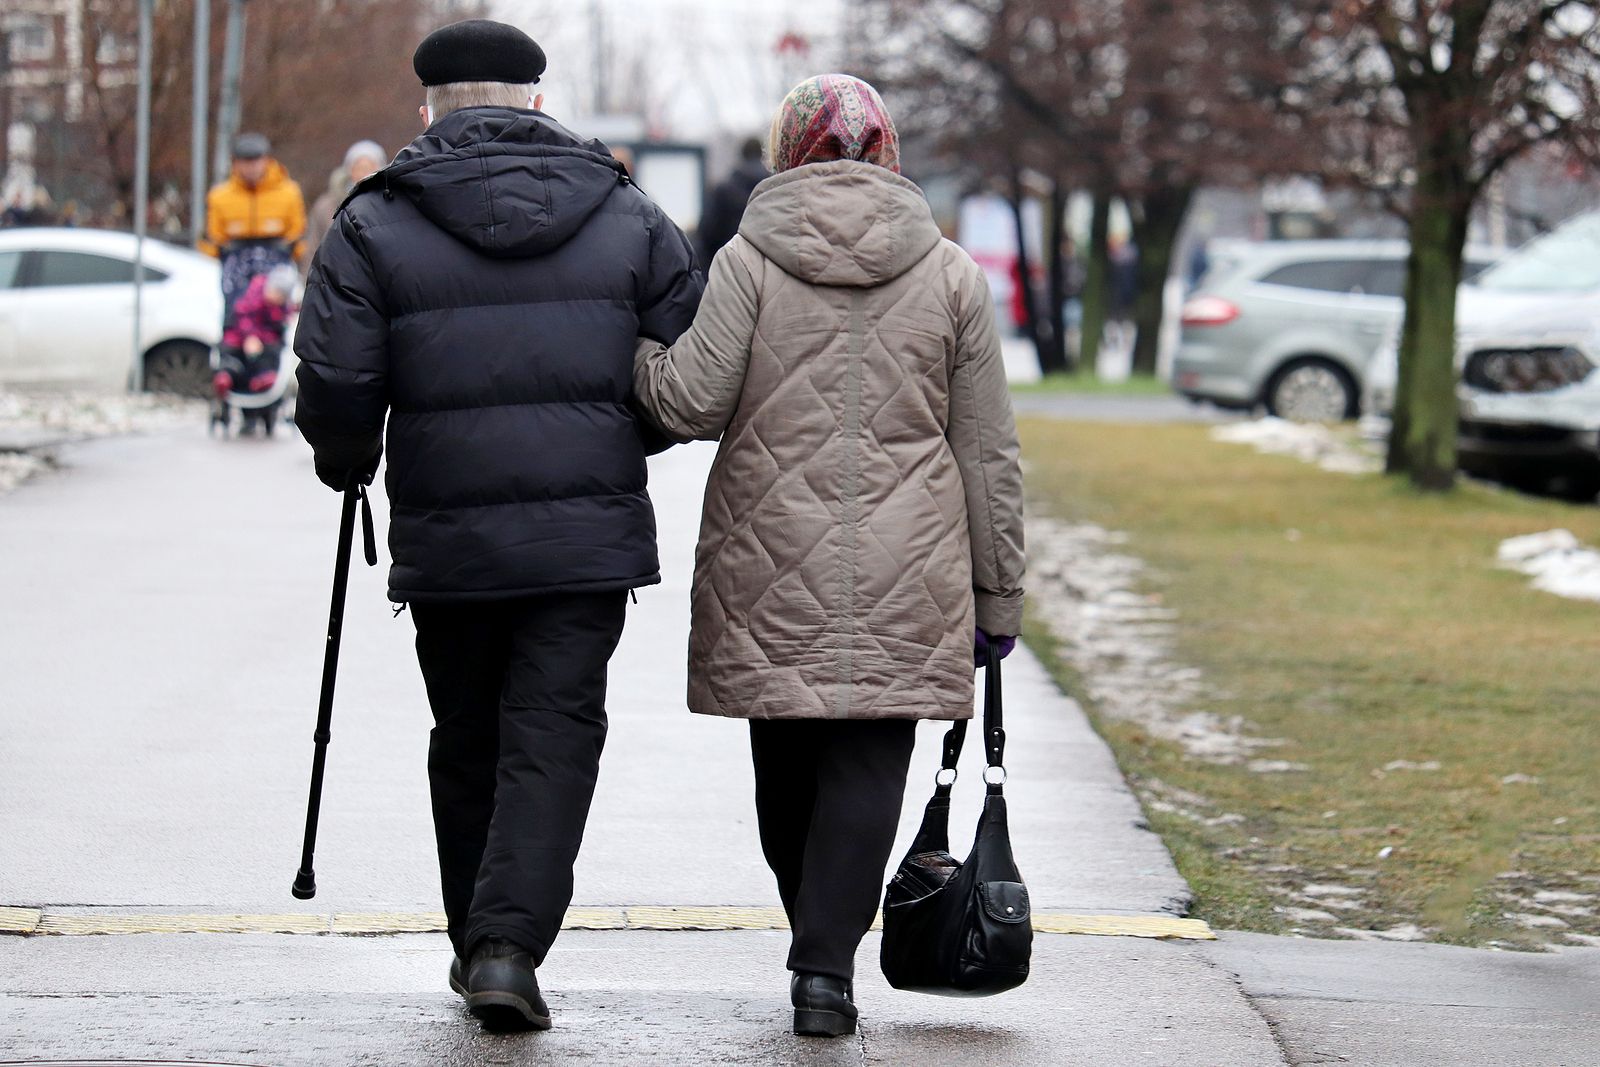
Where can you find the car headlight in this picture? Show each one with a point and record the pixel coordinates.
(1525, 370)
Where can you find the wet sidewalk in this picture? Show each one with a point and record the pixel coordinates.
(167, 793)
(152, 782)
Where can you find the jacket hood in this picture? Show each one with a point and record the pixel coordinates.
(841, 223)
(508, 182)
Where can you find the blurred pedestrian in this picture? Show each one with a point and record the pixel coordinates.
(362, 160)
(31, 210)
(725, 206)
(1123, 293)
(256, 219)
(862, 535)
(485, 297)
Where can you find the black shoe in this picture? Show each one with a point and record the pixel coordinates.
(823, 1005)
(458, 980)
(502, 990)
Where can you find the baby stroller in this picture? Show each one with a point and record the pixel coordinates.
(250, 368)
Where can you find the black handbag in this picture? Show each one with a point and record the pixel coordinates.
(960, 929)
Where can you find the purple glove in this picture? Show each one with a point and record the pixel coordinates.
(980, 647)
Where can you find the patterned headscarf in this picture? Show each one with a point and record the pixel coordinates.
(832, 117)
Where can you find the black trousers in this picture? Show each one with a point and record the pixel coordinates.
(828, 795)
(518, 690)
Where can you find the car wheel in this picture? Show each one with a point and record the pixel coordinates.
(1312, 390)
(181, 368)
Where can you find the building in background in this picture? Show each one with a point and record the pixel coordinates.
(48, 67)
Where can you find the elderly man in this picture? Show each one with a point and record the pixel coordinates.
(485, 291)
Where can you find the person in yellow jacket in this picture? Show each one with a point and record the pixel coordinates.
(254, 220)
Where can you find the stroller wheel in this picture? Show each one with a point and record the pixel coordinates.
(269, 419)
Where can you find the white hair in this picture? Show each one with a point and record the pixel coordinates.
(454, 96)
(283, 278)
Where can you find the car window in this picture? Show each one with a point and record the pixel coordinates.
(1323, 275)
(1384, 277)
(10, 265)
(1387, 277)
(84, 268)
(1565, 259)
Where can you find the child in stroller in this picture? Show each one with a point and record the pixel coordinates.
(252, 350)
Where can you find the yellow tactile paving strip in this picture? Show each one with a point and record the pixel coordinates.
(46, 921)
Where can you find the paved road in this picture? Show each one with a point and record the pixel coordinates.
(163, 612)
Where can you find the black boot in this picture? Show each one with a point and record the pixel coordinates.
(458, 979)
(502, 989)
(823, 1005)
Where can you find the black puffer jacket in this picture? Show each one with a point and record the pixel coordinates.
(487, 290)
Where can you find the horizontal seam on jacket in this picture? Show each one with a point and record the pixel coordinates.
(513, 404)
(621, 300)
(597, 585)
(517, 503)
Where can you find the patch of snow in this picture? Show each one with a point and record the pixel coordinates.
(1520, 779)
(36, 420)
(1315, 890)
(1556, 561)
(1408, 765)
(1276, 766)
(1308, 442)
(1121, 640)
(1562, 896)
(16, 468)
(1307, 915)
(1583, 939)
(96, 414)
(1403, 932)
(1534, 922)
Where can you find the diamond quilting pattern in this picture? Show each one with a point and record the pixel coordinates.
(769, 601)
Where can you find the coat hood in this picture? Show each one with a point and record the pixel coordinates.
(841, 223)
(510, 183)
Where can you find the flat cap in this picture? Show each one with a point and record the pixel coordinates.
(478, 50)
(251, 146)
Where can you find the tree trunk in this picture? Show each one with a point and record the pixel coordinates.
(1156, 223)
(1422, 440)
(1030, 313)
(1096, 283)
(1053, 357)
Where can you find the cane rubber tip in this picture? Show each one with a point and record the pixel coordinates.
(305, 885)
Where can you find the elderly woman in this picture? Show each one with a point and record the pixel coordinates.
(863, 519)
(362, 159)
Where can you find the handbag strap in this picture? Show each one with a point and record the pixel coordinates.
(994, 737)
(994, 733)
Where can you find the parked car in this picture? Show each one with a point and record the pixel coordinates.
(66, 311)
(1530, 399)
(1542, 278)
(1527, 342)
(1291, 326)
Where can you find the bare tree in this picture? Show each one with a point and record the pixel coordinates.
(319, 74)
(1426, 101)
(1143, 99)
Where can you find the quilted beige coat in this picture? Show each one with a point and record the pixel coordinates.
(865, 506)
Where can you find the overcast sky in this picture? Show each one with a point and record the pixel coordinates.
(700, 68)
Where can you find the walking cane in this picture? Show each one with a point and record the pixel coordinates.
(305, 880)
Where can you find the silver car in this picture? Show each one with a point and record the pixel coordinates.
(1291, 326)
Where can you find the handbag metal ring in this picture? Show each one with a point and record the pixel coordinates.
(994, 776)
(940, 779)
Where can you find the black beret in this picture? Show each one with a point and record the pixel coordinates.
(478, 50)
